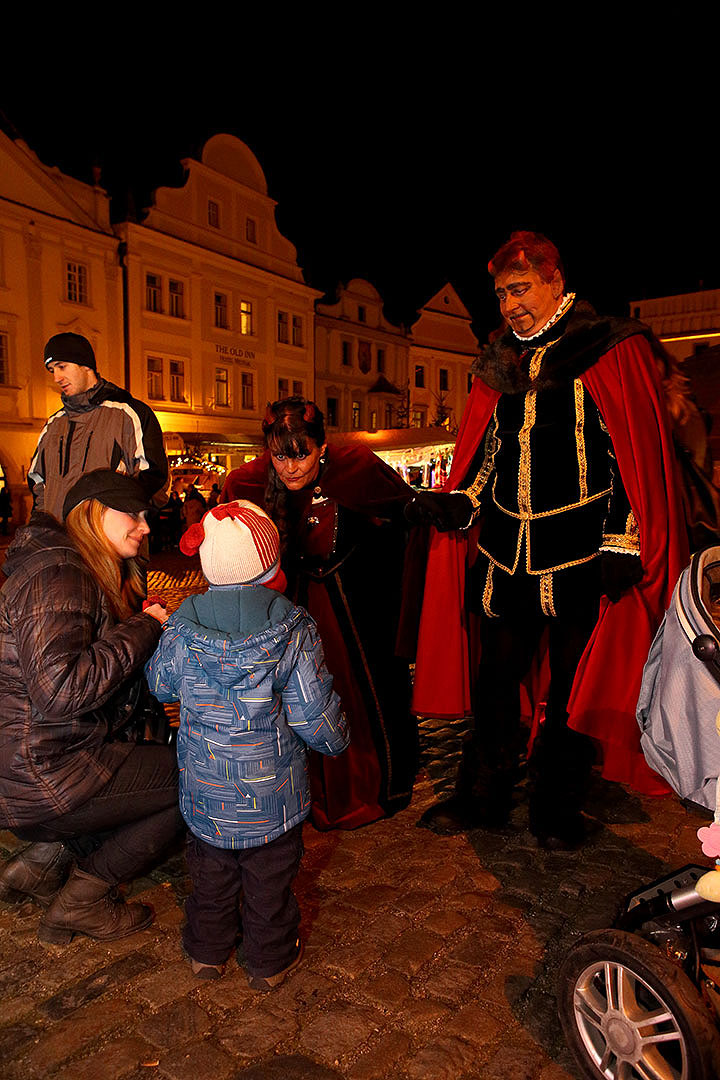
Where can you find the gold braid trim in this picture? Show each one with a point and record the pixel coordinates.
(488, 591)
(628, 542)
(524, 464)
(478, 485)
(580, 439)
(547, 602)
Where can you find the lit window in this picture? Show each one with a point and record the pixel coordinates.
(444, 379)
(76, 283)
(356, 415)
(221, 310)
(381, 360)
(283, 327)
(283, 389)
(222, 395)
(248, 397)
(347, 353)
(177, 380)
(153, 292)
(251, 230)
(213, 214)
(246, 317)
(297, 388)
(373, 420)
(155, 377)
(176, 299)
(4, 360)
(418, 418)
(332, 412)
(419, 375)
(297, 327)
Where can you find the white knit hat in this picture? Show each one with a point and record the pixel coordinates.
(238, 544)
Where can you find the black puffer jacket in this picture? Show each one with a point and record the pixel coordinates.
(68, 675)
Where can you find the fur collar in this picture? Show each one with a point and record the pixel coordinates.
(576, 342)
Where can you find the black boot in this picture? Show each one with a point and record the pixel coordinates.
(36, 873)
(559, 773)
(483, 791)
(89, 905)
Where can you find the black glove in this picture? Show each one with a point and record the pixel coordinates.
(618, 573)
(446, 511)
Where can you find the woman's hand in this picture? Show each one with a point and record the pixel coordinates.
(158, 611)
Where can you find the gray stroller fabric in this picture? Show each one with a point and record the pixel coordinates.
(679, 705)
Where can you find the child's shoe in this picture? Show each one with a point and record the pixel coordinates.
(270, 982)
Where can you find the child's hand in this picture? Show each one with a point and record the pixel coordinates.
(156, 610)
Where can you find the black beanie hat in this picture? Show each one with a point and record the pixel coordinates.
(116, 490)
(70, 349)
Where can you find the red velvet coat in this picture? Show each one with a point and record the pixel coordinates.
(625, 386)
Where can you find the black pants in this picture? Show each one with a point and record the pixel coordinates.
(127, 825)
(270, 914)
(562, 758)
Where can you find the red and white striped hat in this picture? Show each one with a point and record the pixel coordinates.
(238, 544)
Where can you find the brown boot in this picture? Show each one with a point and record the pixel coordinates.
(36, 873)
(88, 905)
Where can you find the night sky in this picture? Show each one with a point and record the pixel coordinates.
(416, 184)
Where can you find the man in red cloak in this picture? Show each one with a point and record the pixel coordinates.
(561, 523)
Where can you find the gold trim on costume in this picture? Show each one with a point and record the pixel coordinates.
(492, 446)
(524, 463)
(488, 591)
(628, 542)
(580, 438)
(547, 602)
(530, 516)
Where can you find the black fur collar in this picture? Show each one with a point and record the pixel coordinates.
(579, 339)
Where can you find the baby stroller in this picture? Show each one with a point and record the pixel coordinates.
(641, 1001)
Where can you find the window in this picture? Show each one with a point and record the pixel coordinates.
(251, 230)
(444, 379)
(381, 361)
(332, 412)
(418, 418)
(4, 360)
(213, 214)
(356, 415)
(222, 394)
(221, 310)
(283, 328)
(297, 330)
(373, 420)
(246, 317)
(283, 389)
(347, 353)
(419, 375)
(76, 283)
(155, 377)
(388, 416)
(248, 397)
(153, 292)
(361, 313)
(176, 299)
(297, 388)
(177, 380)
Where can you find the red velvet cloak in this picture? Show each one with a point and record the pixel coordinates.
(625, 386)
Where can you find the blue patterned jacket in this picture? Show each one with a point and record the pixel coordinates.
(248, 669)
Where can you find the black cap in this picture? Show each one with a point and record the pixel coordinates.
(113, 489)
(70, 349)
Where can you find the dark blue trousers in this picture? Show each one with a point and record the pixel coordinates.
(270, 916)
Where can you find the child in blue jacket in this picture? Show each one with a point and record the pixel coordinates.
(247, 667)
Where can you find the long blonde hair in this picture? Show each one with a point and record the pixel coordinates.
(120, 579)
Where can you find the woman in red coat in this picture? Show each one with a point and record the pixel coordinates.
(339, 511)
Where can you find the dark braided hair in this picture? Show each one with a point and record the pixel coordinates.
(287, 426)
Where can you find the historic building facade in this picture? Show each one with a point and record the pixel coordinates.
(442, 349)
(686, 324)
(219, 318)
(59, 271)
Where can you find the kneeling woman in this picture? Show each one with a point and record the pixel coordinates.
(72, 648)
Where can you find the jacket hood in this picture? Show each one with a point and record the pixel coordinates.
(42, 534)
(230, 630)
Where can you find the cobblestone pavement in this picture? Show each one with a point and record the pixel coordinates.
(427, 958)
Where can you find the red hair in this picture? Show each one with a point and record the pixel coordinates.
(527, 251)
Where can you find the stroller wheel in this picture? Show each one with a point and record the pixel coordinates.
(628, 1013)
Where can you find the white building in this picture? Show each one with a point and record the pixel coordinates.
(442, 349)
(686, 323)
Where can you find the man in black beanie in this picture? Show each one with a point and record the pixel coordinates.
(99, 426)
